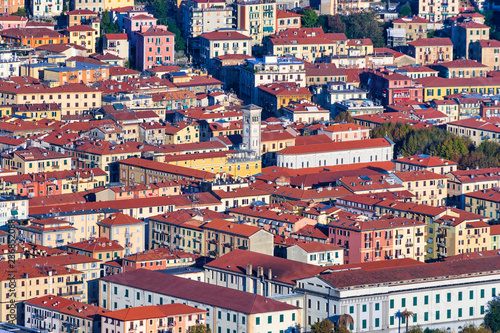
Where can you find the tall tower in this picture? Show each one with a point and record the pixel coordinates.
(251, 129)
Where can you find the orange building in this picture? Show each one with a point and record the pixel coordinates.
(155, 318)
(11, 6)
(81, 16)
(160, 258)
(81, 72)
(32, 37)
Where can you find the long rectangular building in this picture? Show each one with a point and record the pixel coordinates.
(228, 310)
(336, 153)
(443, 294)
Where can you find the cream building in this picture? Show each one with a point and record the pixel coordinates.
(428, 187)
(258, 18)
(129, 232)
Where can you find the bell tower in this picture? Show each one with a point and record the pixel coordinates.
(251, 129)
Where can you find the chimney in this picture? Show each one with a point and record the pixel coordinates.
(260, 271)
(249, 269)
(270, 274)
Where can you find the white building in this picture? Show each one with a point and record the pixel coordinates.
(228, 310)
(334, 92)
(316, 253)
(46, 8)
(223, 42)
(9, 64)
(13, 207)
(269, 69)
(448, 294)
(336, 153)
(305, 112)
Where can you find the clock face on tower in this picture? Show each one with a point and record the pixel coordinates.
(255, 130)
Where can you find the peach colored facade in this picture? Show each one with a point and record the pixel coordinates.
(154, 47)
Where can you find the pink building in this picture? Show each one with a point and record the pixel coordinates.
(12, 21)
(137, 21)
(155, 46)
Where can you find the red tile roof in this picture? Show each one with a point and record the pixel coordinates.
(81, 12)
(153, 311)
(100, 244)
(196, 291)
(425, 161)
(232, 228)
(286, 14)
(462, 63)
(224, 35)
(283, 270)
(335, 146)
(311, 247)
(120, 219)
(68, 307)
(432, 42)
(410, 19)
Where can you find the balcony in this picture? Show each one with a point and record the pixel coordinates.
(71, 293)
(59, 241)
(409, 244)
(69, 283)
(419, 234)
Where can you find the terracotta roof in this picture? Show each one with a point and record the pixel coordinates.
(283, 270)
(196, 291)
(232, 228)
(224, 35)
(335, 146)
(168, 168)
(100, 244)
(462, 63)
(439, 270)
(120, 219)
(81, 12)
(286, 14)
(79, 28)
(425, 161)
(284, 89)
(473, 25)
(432, 42)
(153, 311)
(68, 307)
(410, 19)
(31, 33)
(489, 43)
(311, 247)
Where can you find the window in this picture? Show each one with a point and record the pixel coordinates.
(257, 321)
(351, 308)
(138, 296)
(282, 318)
(482, 293)
(115, 291)
(377, 306)
(459, 295)
(471, 294)
(493, 292)
(426, 300)
(448, 313)
(391, 320)
(293, 316)
(426, 316)
(403, 302)
(364, 323)
(364, 308)
(460, 313)
(377, 322)
(437, 299)
(437, 315)
(414, 301)
(448, 297)
(471, 311)
(270, 319)
(391, 305)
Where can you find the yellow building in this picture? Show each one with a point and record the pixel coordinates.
(72, 98)
(495, 237)
(83, 35)
(452, 237)
(127, 231)
(110, 4)
(36, 281)
(172, 233)
(182, 132)
(47, 232)
(34, 160)
(438, 87)
(487, 52)
(428, 187)
(485, 202)
(34, 111)
(258, 18)
(98, 248)
(274, 96)
(465, 33)
(431, 50)
(221, 161)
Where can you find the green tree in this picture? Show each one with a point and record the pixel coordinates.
(20, 12)
(199, 329)
(492, 318)
(331, 23)
(431, 33)
(364, 25)
(474, 329)
(342, 329)
(324, 326)
(107, 26)
(415, 329)
(405, 10)
(180, 42)
(309, 18)
(344, 116)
